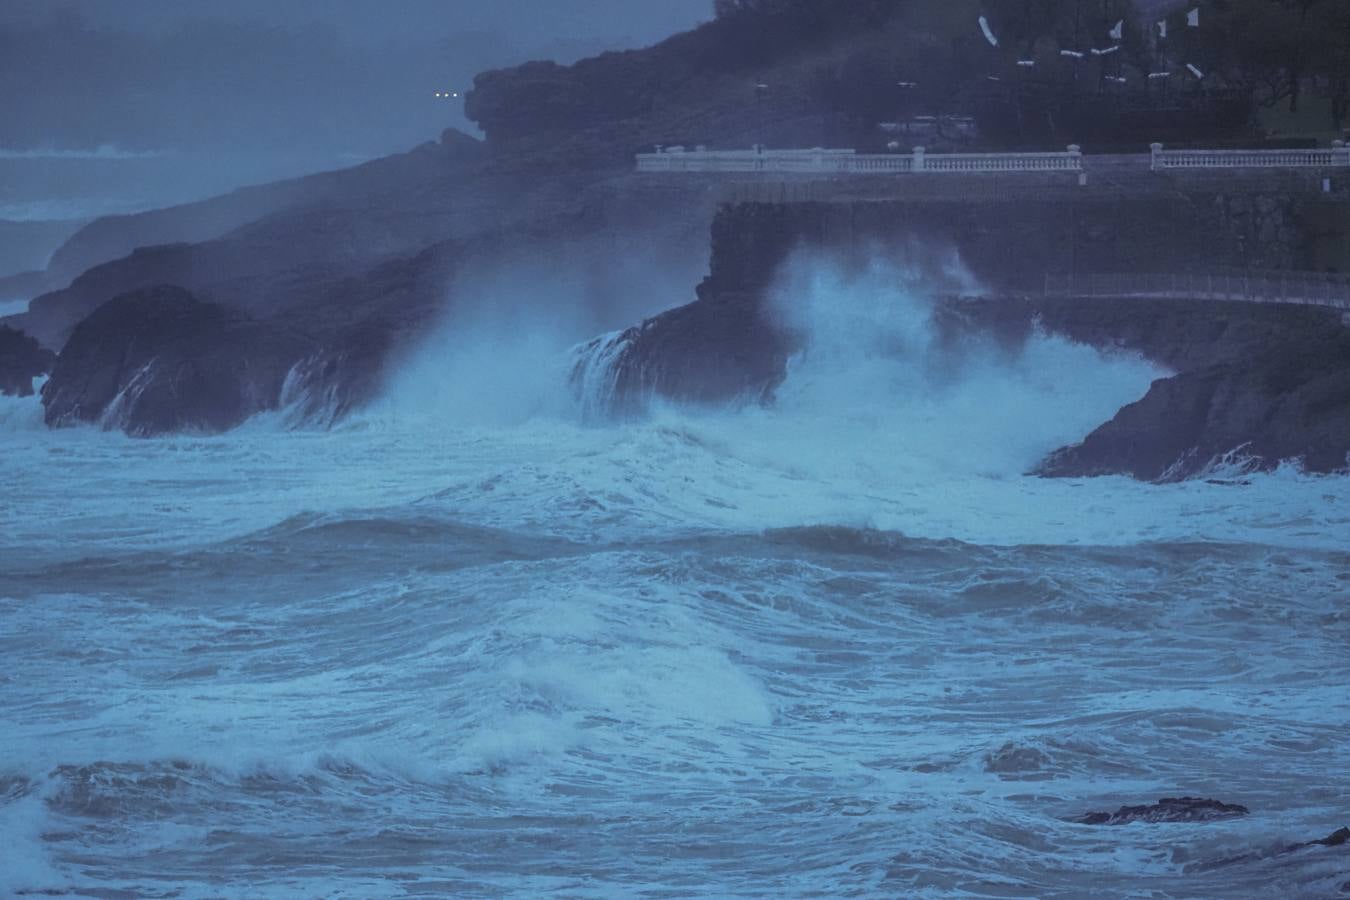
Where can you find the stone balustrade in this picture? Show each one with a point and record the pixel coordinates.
(679, 159)
(850, 162)
(1338, 155)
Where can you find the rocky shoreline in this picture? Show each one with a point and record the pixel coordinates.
(303, 293)
(1255, 385)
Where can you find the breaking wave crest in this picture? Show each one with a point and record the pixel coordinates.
(876, 381)
(22, 414)
(877, 376)
(596, 366)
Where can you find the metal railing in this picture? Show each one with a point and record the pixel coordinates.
(819, 160)
(1252, 286)
(1338, 155)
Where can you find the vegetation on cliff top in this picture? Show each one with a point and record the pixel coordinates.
(809, 72)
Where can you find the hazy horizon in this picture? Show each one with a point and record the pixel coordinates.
(120, 106)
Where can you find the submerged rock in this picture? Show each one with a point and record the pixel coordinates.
(160, 360)
(21, 360)
(1169, 809)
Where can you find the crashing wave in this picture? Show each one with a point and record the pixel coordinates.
(306, 399)
(596, 368)
(18, 414)
(117, 415)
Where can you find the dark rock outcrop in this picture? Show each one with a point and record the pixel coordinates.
(160, 360)
(701, 353)
(1292, 402)
(1183, 809)
(21, 360)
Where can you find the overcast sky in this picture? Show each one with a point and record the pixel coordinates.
(532, 21)
(282, 76)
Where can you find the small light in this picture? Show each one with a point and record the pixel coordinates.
(438, 93)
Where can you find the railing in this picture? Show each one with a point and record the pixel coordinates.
(1337, 155)
(821, 161)
(1255, 286)
(678, 159)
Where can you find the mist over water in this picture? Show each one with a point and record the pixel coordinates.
(502, 351)
(47, 184)
(476, 642)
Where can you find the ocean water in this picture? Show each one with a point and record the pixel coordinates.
(481, 641)
(13, 307)
(50, 184)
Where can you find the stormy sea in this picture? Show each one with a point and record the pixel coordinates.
(487, 638)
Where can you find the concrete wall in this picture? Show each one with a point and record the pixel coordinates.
(1011, 243)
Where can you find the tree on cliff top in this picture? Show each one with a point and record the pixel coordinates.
(1276, 46)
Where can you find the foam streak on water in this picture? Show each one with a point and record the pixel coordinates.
(837, 646)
